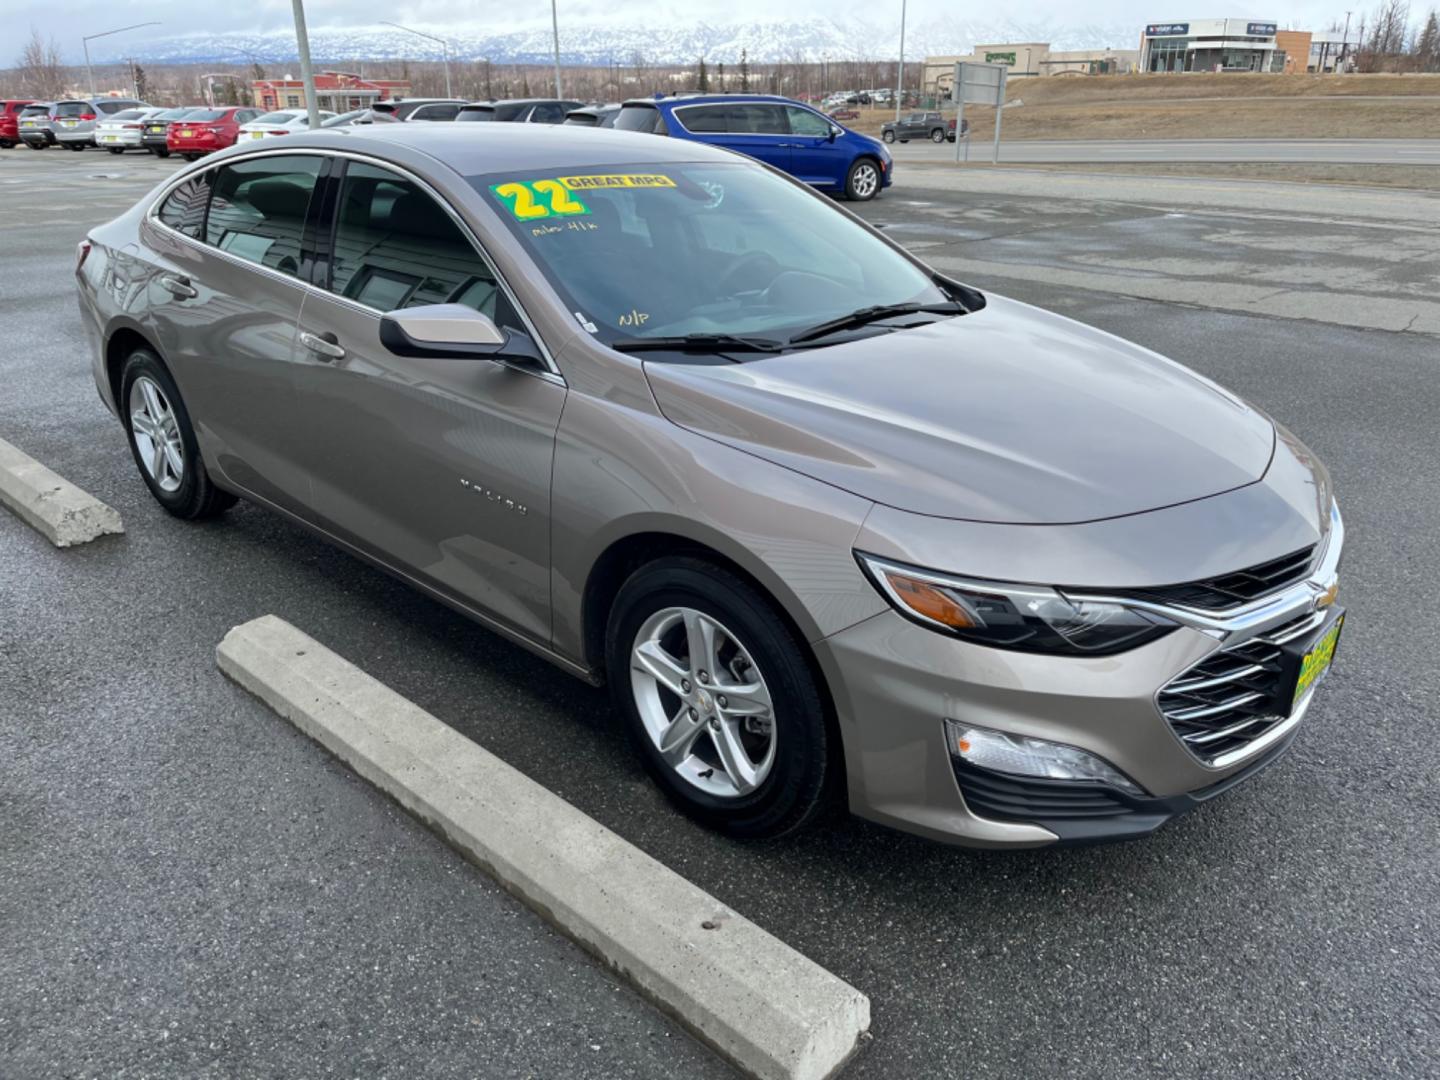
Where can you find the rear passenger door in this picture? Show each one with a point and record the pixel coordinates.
(439, 467)
(230, 247)
(757, 129)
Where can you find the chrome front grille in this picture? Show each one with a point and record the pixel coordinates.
(1233, 697)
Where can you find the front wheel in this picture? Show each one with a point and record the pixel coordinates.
(162, 441)
(115, 149)
(938, 135)
(888, 136)
(719, 700)
(36, 145)
(862, 183)
(76, 146)
(159, 152)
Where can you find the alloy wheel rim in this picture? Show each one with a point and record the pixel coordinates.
(156, 433)
(703, 702)
(865, 180)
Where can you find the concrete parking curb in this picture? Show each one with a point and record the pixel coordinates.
(769, 1010)
(50, 504)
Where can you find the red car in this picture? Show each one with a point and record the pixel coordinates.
(207, 130)
(10, 122)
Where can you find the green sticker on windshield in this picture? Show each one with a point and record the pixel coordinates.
(535, 199)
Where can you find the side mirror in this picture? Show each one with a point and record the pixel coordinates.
(834, 132)
(452, 332)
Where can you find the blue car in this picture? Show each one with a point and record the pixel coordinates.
(792, 137)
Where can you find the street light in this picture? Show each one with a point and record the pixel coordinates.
(555, 32)
(85, 44)
(444, 45)
(900, 71)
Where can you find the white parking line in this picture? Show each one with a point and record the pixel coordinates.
(769, 1010)
(50, 504)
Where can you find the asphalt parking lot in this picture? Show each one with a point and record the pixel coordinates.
(190, 888)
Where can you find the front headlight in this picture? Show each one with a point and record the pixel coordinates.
(1030, 618)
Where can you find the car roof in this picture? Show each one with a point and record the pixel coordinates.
(705, 99)
(472, 149)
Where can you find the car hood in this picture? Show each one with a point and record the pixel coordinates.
(1009, 414)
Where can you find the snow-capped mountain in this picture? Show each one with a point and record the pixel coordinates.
(808, 40)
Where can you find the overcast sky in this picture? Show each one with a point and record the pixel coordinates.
(67, 19)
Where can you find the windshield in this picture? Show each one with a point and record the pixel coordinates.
(131, 114)
(724, 248)
(201, 116)
(275, 118)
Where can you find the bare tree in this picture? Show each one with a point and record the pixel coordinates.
(39, 68)
(1384, 48)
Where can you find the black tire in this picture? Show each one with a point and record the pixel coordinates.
(115, 149)
(159, 152)
(37, 146)
(76, 146)
(864, 180)
(805, 775)
(938, 135)
(888, 136)
(5, 144)
(905, 140)
(191, 157)
(196, 497)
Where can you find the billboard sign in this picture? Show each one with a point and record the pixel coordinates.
(1260, 29)
(1167, 29)
(1000, 58)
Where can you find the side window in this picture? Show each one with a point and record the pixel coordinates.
(258, 209)
(757, 119)
(184, 208)
(547, 113)
(396, 247)
(805, 122)
(703, 119)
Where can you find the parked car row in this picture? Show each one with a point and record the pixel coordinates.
(796, 138)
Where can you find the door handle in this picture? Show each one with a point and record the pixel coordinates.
(326, 345)
(178, 285)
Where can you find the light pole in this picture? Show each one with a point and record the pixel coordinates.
(555, 33)
(444, 46)
(85, 44)
(900, 71)
(307, 73)
(1344, 43)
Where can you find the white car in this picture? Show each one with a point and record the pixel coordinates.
(123, 130)
(282, 122)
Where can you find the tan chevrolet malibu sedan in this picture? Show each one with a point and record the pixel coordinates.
(833, 527)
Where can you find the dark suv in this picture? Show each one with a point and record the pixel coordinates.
(786, 134)
(519, 110)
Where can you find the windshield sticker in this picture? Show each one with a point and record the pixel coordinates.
(534, 199)
(634, 318)
(626, 180)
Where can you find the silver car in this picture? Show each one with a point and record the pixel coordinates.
(124, 130)
(834, 528)
(75, 119)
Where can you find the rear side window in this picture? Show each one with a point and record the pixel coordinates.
(184, 208)
(755, 119)
(436, 112)
(704, 119)
(396, 247)
(258, 208)
(548, 112)
(645, 118)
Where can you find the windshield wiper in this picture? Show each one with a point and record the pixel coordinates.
(875, 314)
(699, 343)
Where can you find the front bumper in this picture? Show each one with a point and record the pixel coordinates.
(895, 683)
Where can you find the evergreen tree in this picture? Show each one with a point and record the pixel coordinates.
(722, 76)
(142, 88)
(1427, 48)
(744, 72)
(702, 81)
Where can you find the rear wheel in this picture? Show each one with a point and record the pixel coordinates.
(719, 699)
(159, 152)
(862, 183)
(191, 157)
(162, 441)
(888, 136)
(36, 145)
(5, 144)
(116, 149)
(938, 135)
(76, 146)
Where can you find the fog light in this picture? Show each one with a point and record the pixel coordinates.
(1020, 755)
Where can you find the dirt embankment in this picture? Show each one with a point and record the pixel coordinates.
(1210, 107)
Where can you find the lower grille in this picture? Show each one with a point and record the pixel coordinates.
(1024, 798)
(1236, 695)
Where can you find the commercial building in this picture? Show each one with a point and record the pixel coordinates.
(338, 91)
(1029, 59)
(1211, 45)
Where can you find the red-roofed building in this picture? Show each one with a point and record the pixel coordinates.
(338, 91)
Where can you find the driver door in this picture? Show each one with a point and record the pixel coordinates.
(815, 156)
(438, 467)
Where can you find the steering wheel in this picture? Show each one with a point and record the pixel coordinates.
(759, 266)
